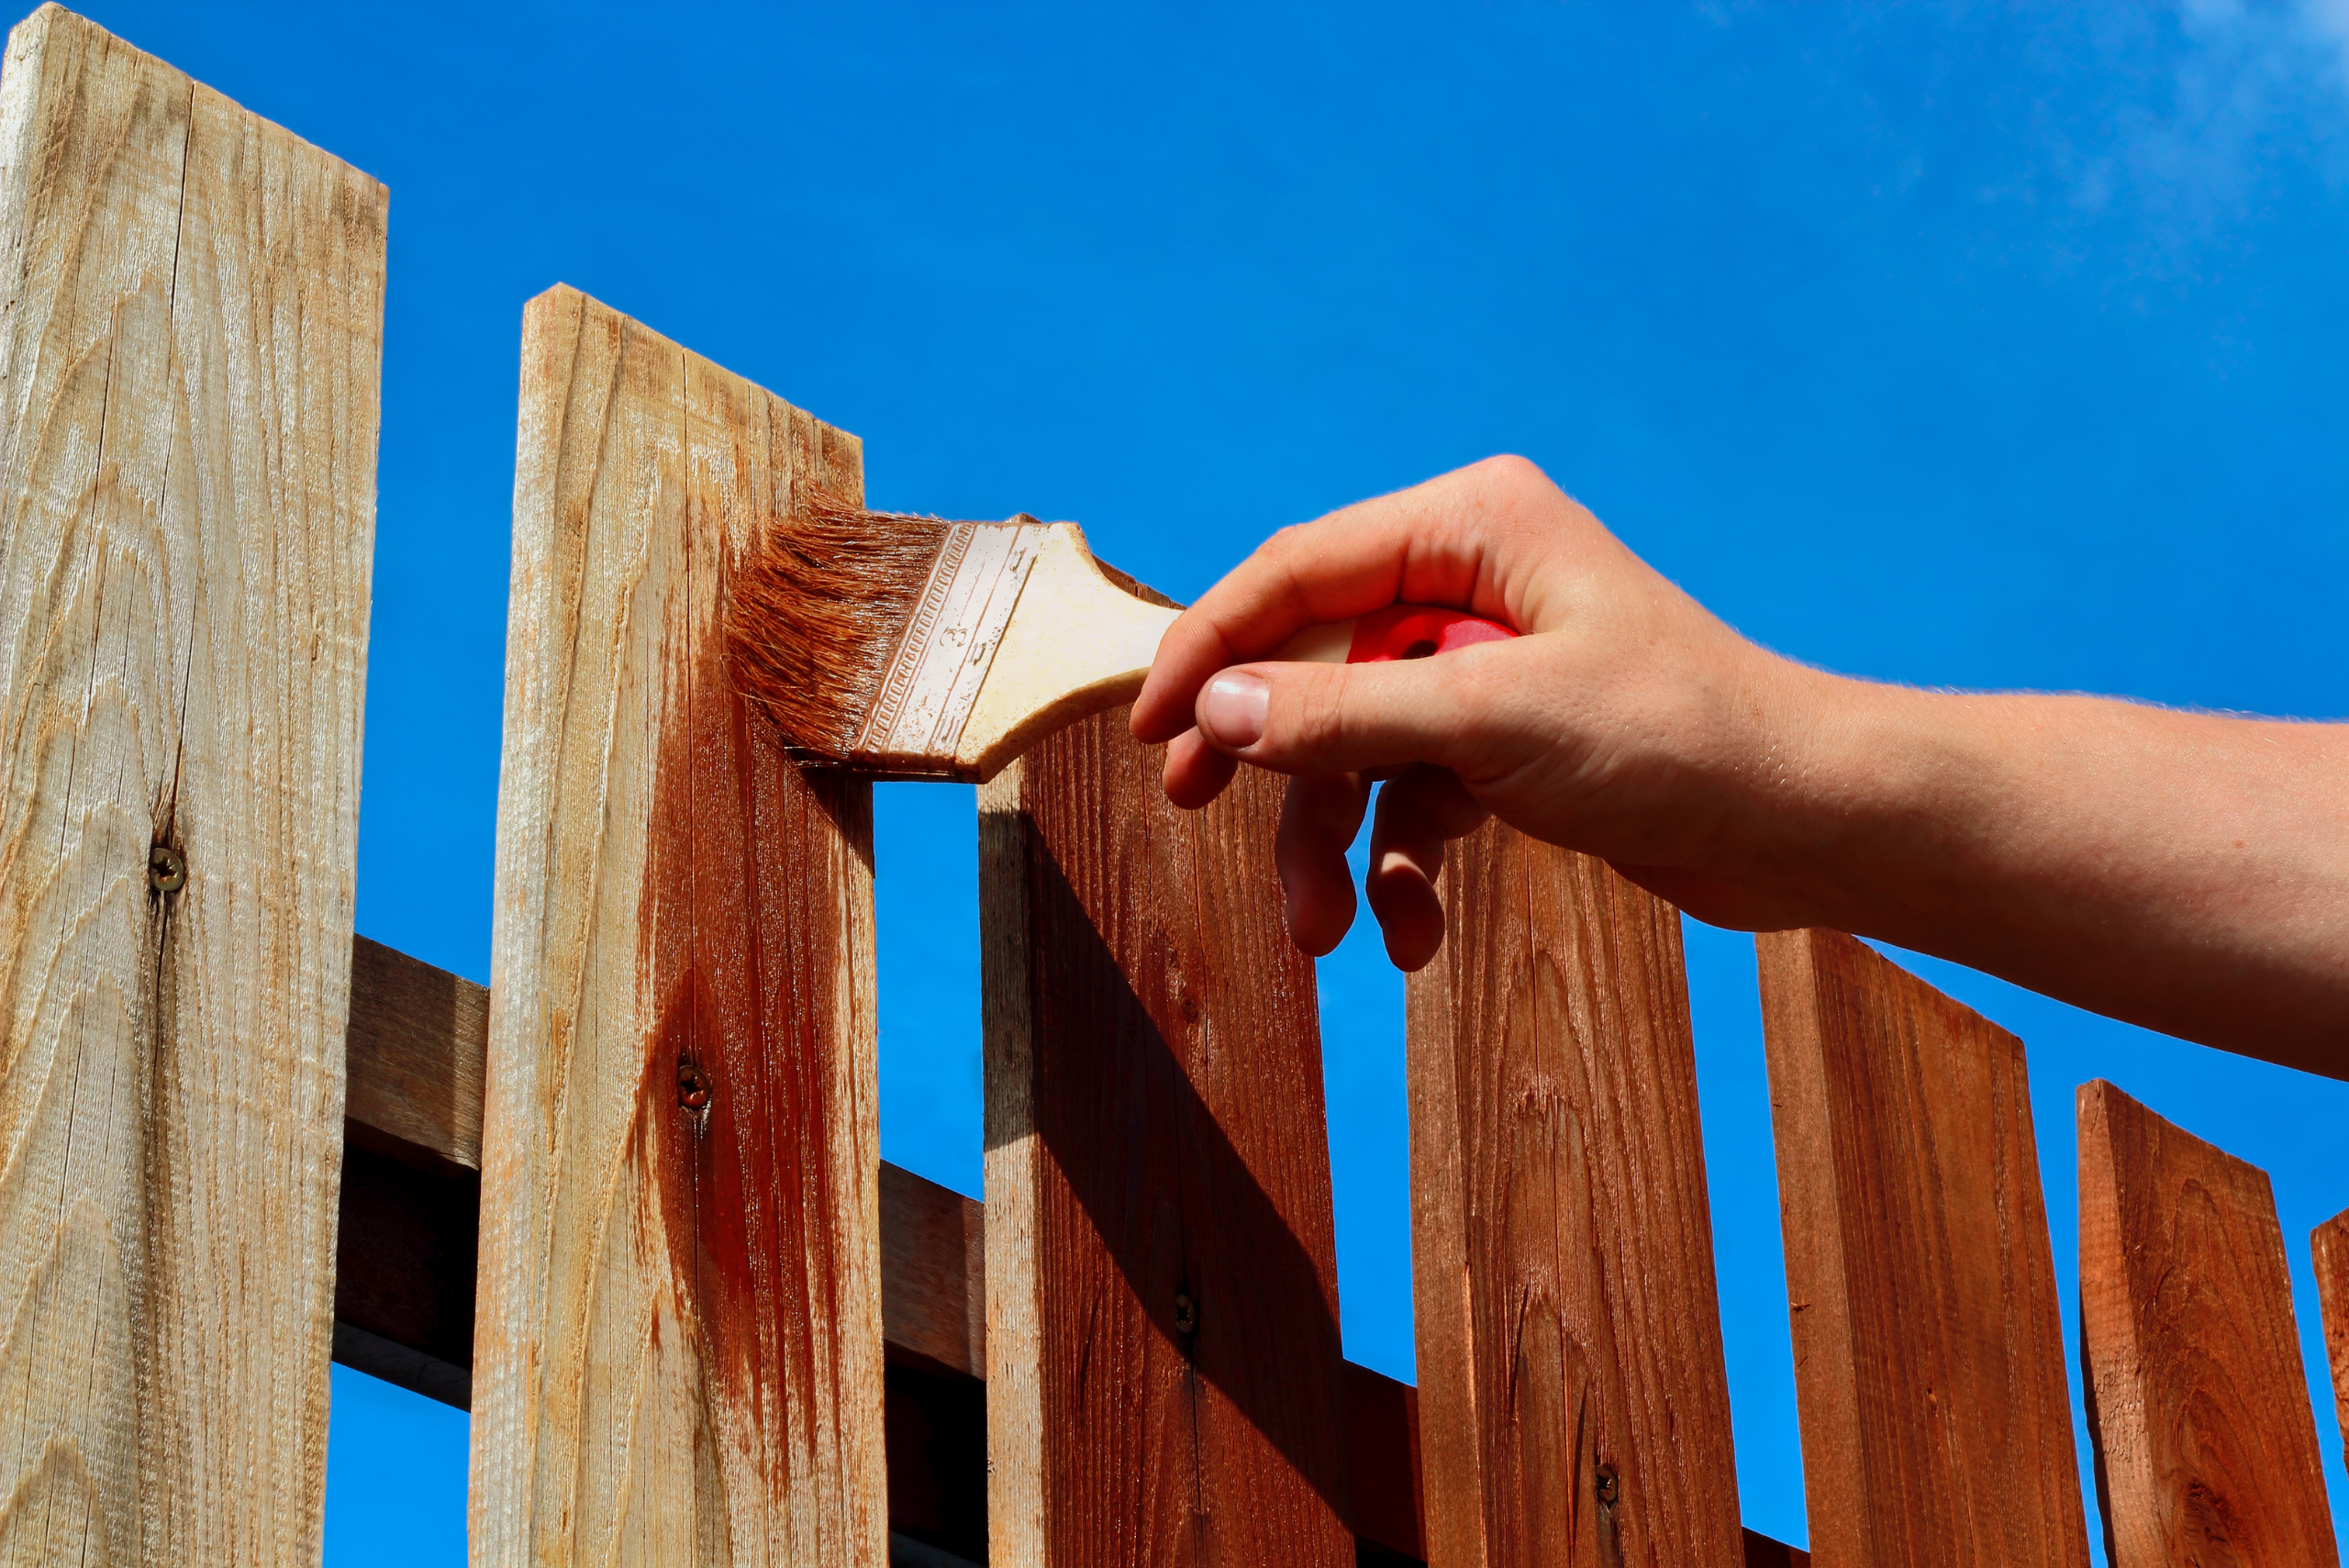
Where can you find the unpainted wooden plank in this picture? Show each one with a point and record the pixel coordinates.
(1574, 1402)
(2330, 1245)
(1929, 1361)
(2197, 1404)
(678, 1342)
(191, 328)
(1164, 1371)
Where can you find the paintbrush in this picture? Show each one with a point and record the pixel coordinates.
(913, 646)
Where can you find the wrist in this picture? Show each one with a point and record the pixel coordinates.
(1867, 783)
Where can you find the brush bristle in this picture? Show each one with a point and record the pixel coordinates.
(817, 611)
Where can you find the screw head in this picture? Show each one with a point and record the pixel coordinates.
(693, 1085)
(1186, 1314)
(1606, 1484)
(165, 869)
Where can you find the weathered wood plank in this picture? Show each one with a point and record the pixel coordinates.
(1163, 1373)
(1574, 1407)
(2329, 1244)
(2197, 1403)
(678, 1346)
(1929, 1359)
(191, 324)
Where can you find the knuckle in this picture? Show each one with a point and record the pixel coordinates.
(1513, 471)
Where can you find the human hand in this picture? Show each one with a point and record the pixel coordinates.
(1626, 721)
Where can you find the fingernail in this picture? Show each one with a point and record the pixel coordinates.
(1232, 710)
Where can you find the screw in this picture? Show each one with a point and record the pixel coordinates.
(165, 869)
(693, 1086)
(1607, 1485)
(1186, 1314)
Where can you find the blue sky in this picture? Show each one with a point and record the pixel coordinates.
(1965, 345)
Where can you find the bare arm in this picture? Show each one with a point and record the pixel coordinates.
(2186, 872)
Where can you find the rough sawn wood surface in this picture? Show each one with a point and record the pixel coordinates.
(191, 326)
(678, 1340)
(1928, 1352)
(2199, 1404)
(1164, 1385)
(1574, 1402)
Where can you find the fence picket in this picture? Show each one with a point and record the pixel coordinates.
(1929, 1358)
(677, 1355)
(1574, 1402)
(1164, 1374)
(190, 351)
(2197, 1402)
(2329, 1243)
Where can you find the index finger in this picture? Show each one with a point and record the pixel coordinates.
(1434, 543)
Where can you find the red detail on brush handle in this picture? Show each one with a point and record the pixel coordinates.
(1417, 631)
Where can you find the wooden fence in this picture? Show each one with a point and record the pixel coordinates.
(626, 1206)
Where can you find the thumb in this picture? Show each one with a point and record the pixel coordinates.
(1343, 718)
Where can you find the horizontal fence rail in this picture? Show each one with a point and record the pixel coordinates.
(625, 1204)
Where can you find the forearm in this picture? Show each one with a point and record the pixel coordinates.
(2186, 871)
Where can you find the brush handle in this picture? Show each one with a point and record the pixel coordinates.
(1398, 631)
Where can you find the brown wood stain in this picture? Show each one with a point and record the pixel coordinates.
(1186, 1291)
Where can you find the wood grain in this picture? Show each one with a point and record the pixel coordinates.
(191, 325)
(417, 1038)
(1163, 1372)
(2330, 1245)
(2197, 1403)
(678, 1346)
(1929, 1356)
(1574, 1407)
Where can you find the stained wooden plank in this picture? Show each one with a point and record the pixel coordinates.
(2330, 1245)
(1928, 1364)
(2197, 1403)
(1163, 1373)
(191, 324)
(678, 1342)
(1574, 1407)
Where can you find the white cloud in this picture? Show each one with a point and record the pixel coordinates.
(2328, 21)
